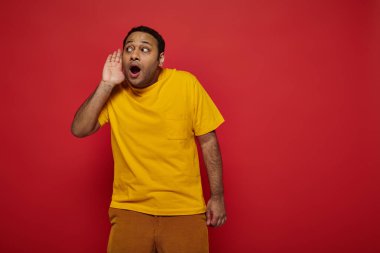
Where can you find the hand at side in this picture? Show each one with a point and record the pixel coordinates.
(216, 212)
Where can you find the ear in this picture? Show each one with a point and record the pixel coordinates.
(161, 59)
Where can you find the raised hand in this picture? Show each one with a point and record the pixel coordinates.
(112, 71)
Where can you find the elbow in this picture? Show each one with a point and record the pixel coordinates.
(77, 132)
(78, 135)
(80, 129)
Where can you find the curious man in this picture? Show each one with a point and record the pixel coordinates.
(155, 114)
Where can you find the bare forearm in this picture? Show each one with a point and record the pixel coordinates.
(213, 162)
(86, 118)
(216, 211)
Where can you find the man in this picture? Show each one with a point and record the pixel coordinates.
(155, 113)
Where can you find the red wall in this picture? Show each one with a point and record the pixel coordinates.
(298, 84)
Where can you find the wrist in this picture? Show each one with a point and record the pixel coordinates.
(217, 195)
(107, 85)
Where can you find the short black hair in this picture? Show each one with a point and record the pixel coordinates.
(154, 33)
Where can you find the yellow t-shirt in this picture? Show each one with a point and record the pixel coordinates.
(153, 145)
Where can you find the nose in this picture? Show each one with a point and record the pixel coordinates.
(135, 55)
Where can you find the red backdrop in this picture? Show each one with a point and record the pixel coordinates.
(298, 84)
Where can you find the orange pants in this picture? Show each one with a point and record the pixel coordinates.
(134, 232)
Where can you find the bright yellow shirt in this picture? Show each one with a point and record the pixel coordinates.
(152, 135)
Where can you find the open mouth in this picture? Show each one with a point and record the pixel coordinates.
(134, 69)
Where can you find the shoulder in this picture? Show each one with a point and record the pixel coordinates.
(185, 78)
(186, 75)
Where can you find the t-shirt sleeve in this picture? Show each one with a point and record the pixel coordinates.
(206, 115)
(103, 116)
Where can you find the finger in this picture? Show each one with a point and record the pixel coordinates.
(220, 219)
(220, 222)
(208, 216)
(113, 56)
(223, 221)
(214, 220)
(109, 58)
(118, 55)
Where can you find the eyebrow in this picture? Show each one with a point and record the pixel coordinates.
(144, 41)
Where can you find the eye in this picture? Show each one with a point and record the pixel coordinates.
(145, 50)
(129, 49)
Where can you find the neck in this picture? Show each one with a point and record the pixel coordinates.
(153, 80)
